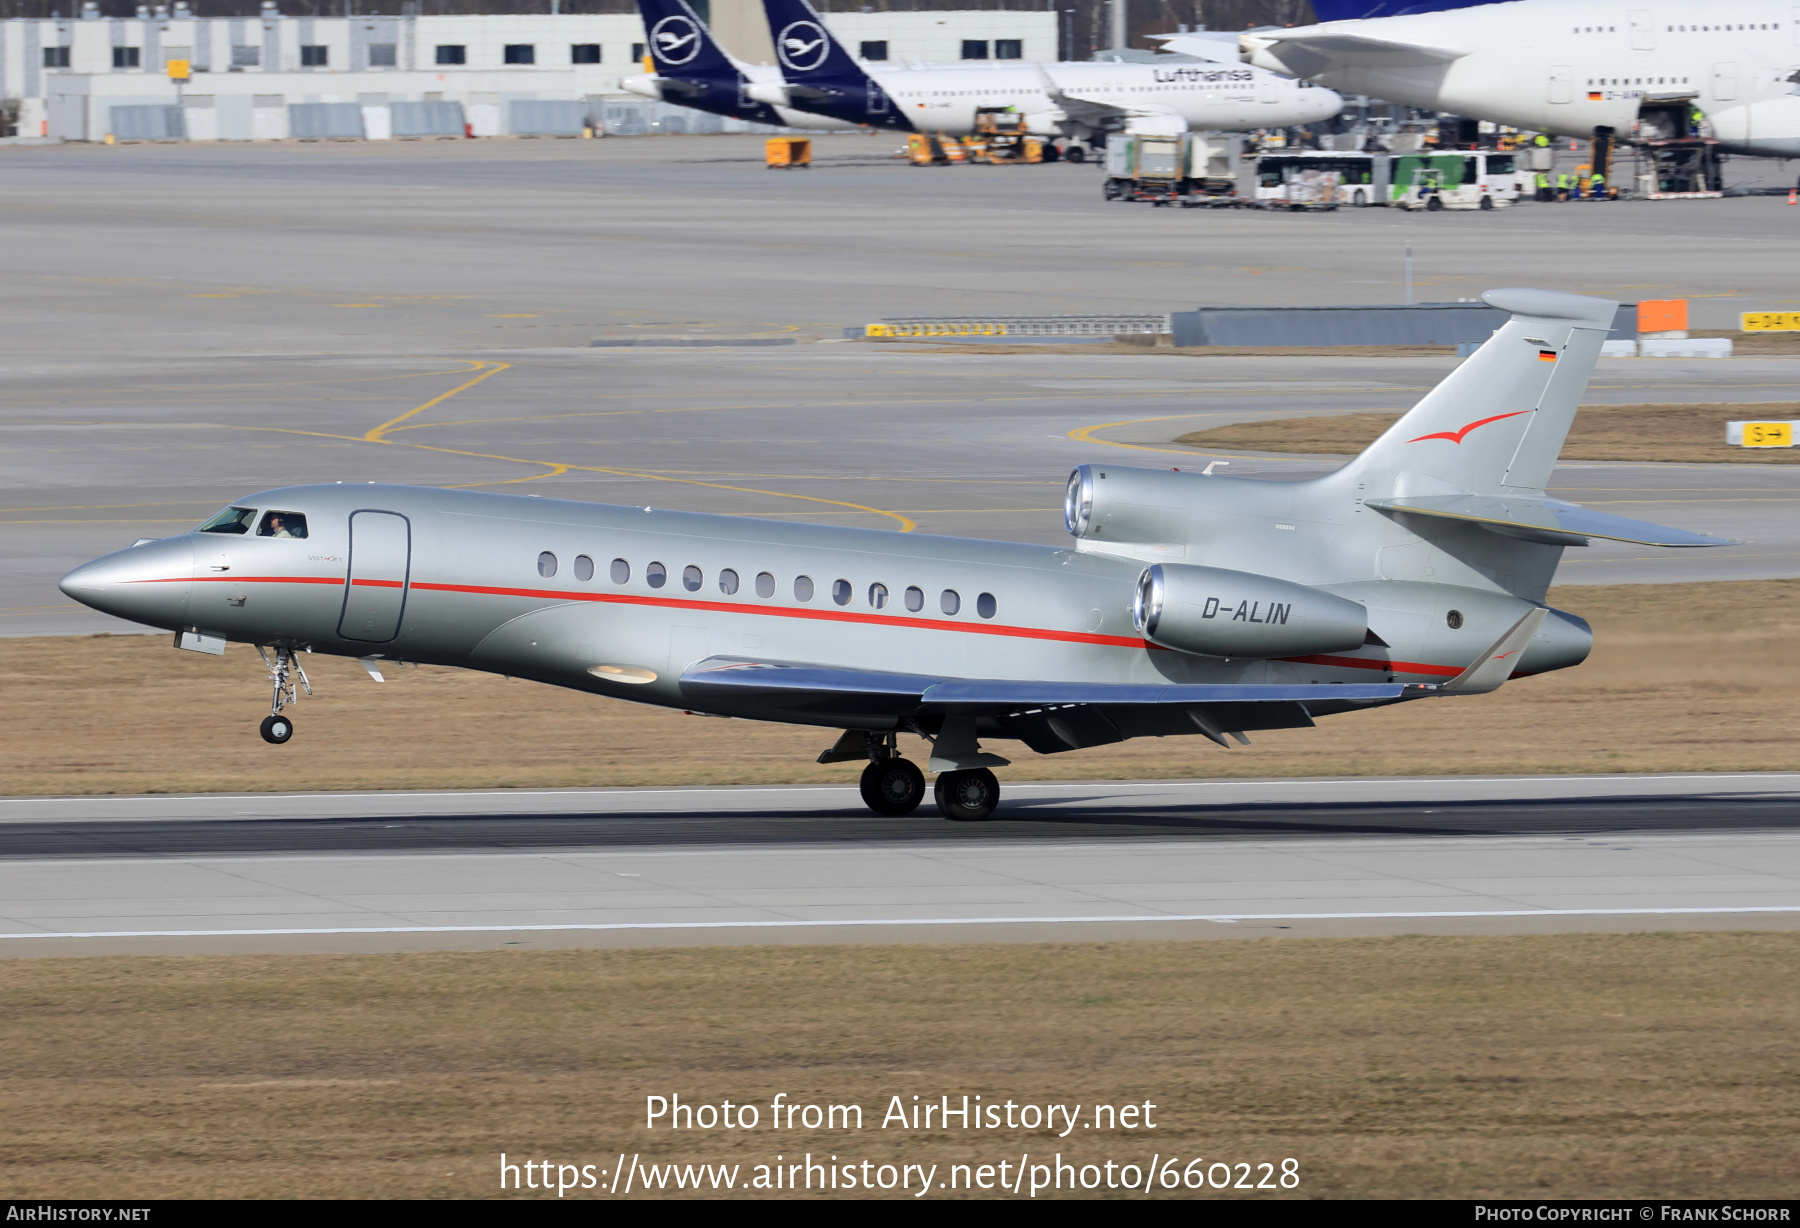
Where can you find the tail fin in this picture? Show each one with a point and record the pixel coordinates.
(806, 49)
(680, 44)
(1497, 423)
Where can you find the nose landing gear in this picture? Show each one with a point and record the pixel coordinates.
(287, 678)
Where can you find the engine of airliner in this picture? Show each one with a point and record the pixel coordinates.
(1219, 613)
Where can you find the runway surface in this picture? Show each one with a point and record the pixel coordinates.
(384, 872)
(180, 326)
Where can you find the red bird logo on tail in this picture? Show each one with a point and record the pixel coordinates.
(1459, 436)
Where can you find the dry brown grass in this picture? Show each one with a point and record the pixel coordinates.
(1577, 1066)
(1688, 678)
(1687, 433)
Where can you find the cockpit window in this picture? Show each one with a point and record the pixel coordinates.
(231, 520)
(282, 524)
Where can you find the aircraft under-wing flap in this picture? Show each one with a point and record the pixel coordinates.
(1047, 716)
(1544, 520)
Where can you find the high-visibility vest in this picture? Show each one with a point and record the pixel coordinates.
(1562, 181)
(1542, 141)
(1543, 180)
(1597, 180)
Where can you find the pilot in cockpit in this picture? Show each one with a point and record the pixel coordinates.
(283, 524)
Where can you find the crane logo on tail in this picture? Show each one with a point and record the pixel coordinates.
(803, 46)
(1459, 436)
(677, 40)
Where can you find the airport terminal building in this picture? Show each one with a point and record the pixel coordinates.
(276, 77)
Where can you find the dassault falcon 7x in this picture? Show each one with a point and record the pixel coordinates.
(1187, 604)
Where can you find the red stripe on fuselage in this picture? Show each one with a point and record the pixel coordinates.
(729, 607)
(880, 620)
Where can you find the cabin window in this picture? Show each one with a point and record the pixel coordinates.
(584, 567)
(803, 588)
(915, 599)
(621, 571)
(1454, 620)
(546, 564)
(728, 582)
(231, 520)
(841, 591)
(765, 584)
(282, 524)
(656, 575)
(878, 596)
(949, 601)
(985, 605)
(691, 579)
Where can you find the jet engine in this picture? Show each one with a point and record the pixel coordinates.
(1218, 613)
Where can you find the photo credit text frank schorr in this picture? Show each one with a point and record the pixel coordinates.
(1133, 1162)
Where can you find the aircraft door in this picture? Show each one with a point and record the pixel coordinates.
(375, 595)
(1562, 83)
(1724, 81)
(1643, 30)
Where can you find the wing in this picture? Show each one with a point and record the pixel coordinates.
(1544, 520)
(1309, 53)
(1092, 112)
(1046, 716)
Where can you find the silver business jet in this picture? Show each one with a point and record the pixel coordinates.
(1187, 603)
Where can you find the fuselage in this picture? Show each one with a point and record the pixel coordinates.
(1204, 95)
(621, 600)
(1569, 66)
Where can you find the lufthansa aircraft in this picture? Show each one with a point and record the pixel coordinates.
(692, 70)
(1077, 100)
(1187, 603)
(1576, 67)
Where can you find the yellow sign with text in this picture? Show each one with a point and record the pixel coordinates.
(1771, 321)
(178, 70)
(1768, 434)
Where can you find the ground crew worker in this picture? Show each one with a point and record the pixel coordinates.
(1542, 142)
(1563, 183)
(1543, 187)
(1597, 186)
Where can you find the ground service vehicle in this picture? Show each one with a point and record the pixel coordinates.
(1458, 179)
(1189, 167)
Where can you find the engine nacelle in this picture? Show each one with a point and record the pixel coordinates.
(1220, 613)
(1112, 503)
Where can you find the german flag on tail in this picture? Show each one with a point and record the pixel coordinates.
(1546, 355)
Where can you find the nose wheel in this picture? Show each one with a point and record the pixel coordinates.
(287, 679)
(893, 787)
(967, 797)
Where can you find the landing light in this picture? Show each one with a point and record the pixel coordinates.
(622, 673)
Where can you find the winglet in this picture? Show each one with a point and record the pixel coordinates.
(1495, 666)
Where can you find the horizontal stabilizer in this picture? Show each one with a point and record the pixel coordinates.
(1544, 520)
(1493, 667)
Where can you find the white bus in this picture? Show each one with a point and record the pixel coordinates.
(1454, 179)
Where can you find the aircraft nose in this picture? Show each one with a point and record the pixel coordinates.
(146, 584)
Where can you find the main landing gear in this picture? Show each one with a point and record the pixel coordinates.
(894, 787)
(967, 796)
(284, 674)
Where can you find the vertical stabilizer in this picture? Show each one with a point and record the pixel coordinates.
(680, 45)
(1497, 423)
(806, 49)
